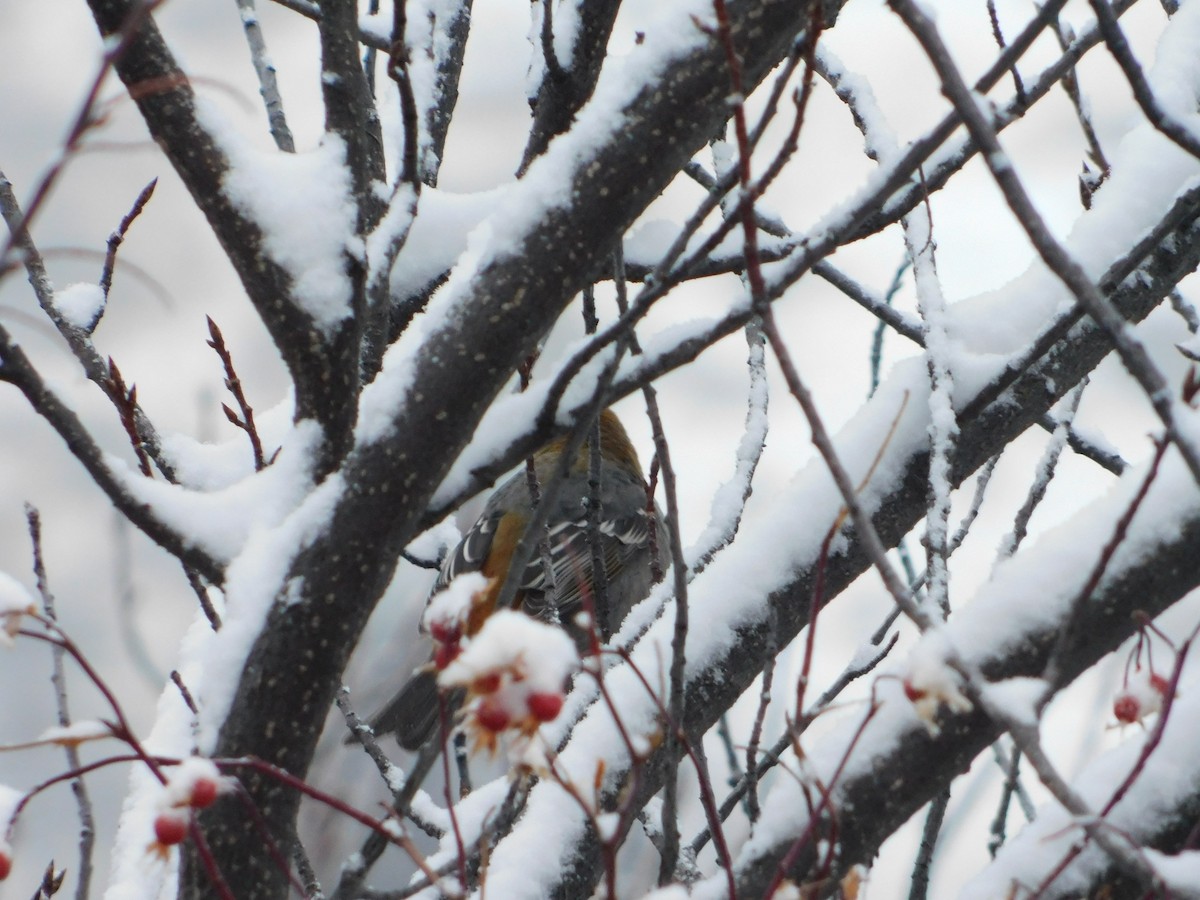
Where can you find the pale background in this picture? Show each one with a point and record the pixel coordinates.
(126, 601)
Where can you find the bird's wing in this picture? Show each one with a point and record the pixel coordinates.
(620, 541)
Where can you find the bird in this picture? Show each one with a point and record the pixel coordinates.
(633, 542)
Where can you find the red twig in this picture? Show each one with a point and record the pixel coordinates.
(234, 384)
(826, 803)
(117, 237)
(85, 119)
(707, 796)
(125, 400)
(1067, 632)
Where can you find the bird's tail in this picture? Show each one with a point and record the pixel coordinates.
(412, 713)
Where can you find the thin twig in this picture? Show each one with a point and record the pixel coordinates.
(16, 369)
(77, 338)
(234, 385)
(771, 757)
(264, 68)
(83, 802)
(1163, 121)
(771, 650)
(1089, 181)
(943, 426)
(1043, 475)
(1012, 787)
(677, 696)
(998, 35)
(1132, 352)
(919, 886)
(125, 400)
(1068, 634)
(117, 238)
(398, 65)
(85, 120)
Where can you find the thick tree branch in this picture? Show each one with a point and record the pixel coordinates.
(985, 429)
(16, 369)
(498, 313)
(323, 371)
(919, 765)
(567, 84)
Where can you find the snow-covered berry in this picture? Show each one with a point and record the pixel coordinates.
(170, 827)
(204, 792)
(1127, 709)
(492, 716)
(544, 705)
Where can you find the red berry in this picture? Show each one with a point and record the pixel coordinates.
(913, 693)
(204, 792)
(1127, 709)
(170, 828)
(544, 706)
(5, 865)
(444, 654)
(492, 716)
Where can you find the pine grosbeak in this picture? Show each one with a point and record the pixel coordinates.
(626, 543)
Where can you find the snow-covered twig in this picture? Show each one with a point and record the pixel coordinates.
(264, 68)
(1043, 475)
(311, 10)
(1132, 352)
(83, 802)
(16, 369)
(1154, 112)
(77, 335)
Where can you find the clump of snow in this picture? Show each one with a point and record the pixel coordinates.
(76, 733)
(514, 670)
(15, 603)
(211, 466)
(450, 607)
(650, 241)
(80, 304)
(221, 521)
(1142, 695)
(188, 783)
(931, 684)
(1018, 698)
(1180, 872)
(436, 542)
(513, 643)
(377, 25)
(303, 204)
(1175, 77)
(393, 230)
(439, 235)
